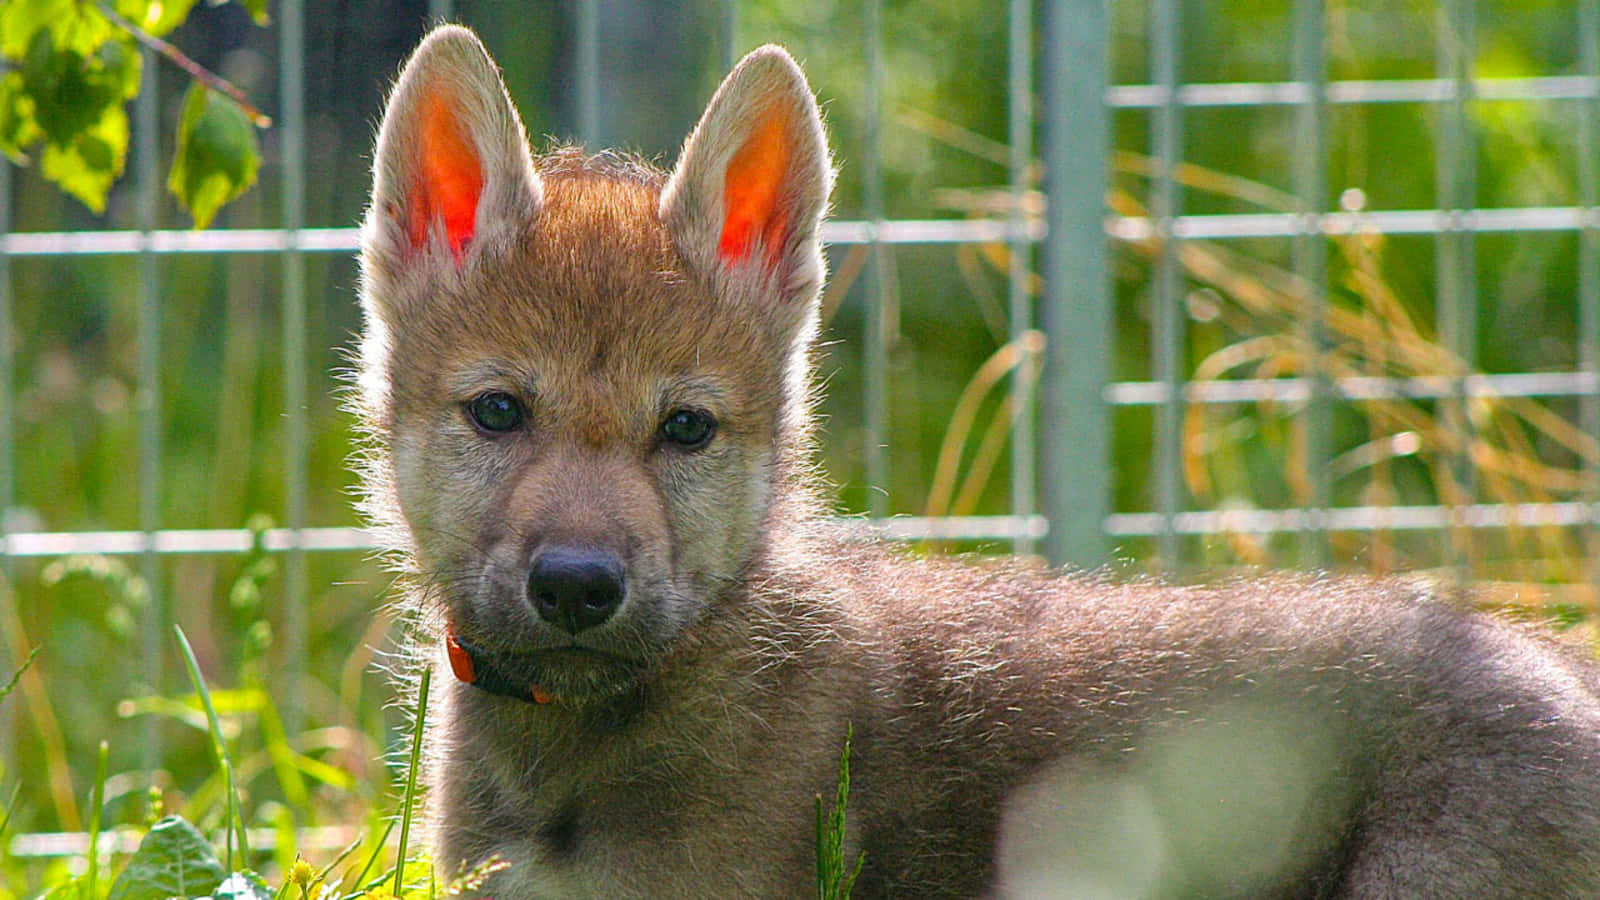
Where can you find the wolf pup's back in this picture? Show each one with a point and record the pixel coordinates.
(588, 384)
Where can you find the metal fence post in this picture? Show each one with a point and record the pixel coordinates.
(1310, 69)
(1166, 314)
(729, 44)
(588, 84)
(8, 569)
(874, 294)
(1075, 488)
(147, 118)
(1019, 300)
(1589, 263)
(1456, 308)
(291, 97)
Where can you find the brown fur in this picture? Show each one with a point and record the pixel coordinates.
(1016, 731)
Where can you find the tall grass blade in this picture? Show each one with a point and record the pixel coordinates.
(11, 804)
(339, 860)
(411, 780)
(17, 675)
(833, 883)
(235, 817)
(282, 755)
(377, 849)
(97, 800)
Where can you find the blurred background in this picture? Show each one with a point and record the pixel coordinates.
(1345, 313)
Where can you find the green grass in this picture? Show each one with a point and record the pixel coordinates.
(175, 858)
(834, 880)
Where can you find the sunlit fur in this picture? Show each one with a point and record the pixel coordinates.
(1017, 731)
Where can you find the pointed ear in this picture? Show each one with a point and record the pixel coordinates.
(453, 170)
(751, 185)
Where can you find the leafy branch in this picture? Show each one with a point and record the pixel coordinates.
(185, 62)
(70, 70)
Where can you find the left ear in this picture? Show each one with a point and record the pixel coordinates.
(751, 185)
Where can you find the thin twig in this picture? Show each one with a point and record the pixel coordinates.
(183, 61)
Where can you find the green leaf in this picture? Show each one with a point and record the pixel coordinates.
(22, 20)
(73, 25)
(18, 127)
(67, 99)
(155, 17)
(173, 860)
(76, 102)
(94, 159)
(217, 156)
(257, 10)
(242, 886)
(118, 65)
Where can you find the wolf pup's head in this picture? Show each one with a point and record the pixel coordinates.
(585, 378)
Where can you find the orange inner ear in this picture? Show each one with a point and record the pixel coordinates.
(451, 179)
(752, 187)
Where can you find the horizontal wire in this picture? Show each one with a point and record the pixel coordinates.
(1363, 387)
(1356, 518)
(895, 528)
(1389, 90)
(850, 232)
(124, 841)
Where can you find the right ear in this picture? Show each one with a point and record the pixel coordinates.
(453, 172)
(751, 185)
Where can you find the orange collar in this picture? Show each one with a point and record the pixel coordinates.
(475, 666)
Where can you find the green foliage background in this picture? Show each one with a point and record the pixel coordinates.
(75, 320)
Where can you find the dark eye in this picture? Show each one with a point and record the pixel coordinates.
(689, 429)
(496, 411)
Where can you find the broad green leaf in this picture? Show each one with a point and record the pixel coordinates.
(74, 26)
(242, 886)
(22, 20)
(71, 91)
(217, 156)
(18, 128)
(156, 17)
(119, 64)
(94, 159)
(66, 100)
(173, 860)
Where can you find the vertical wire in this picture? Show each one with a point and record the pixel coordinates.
(1310, 254)
(730, 34)
(876, 356)
(147, 112)
(8, 568)
(1166, 313)
(1456, 304)
(1074, 458)
(1589, 263)
(291, 96)
(1019, 136)
(589, 74)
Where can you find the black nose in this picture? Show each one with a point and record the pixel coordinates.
(575, 588)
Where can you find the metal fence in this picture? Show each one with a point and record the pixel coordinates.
(1061, 494)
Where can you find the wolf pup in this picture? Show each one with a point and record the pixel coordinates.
(589, 386)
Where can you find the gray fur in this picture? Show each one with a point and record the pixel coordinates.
(1018, 732)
